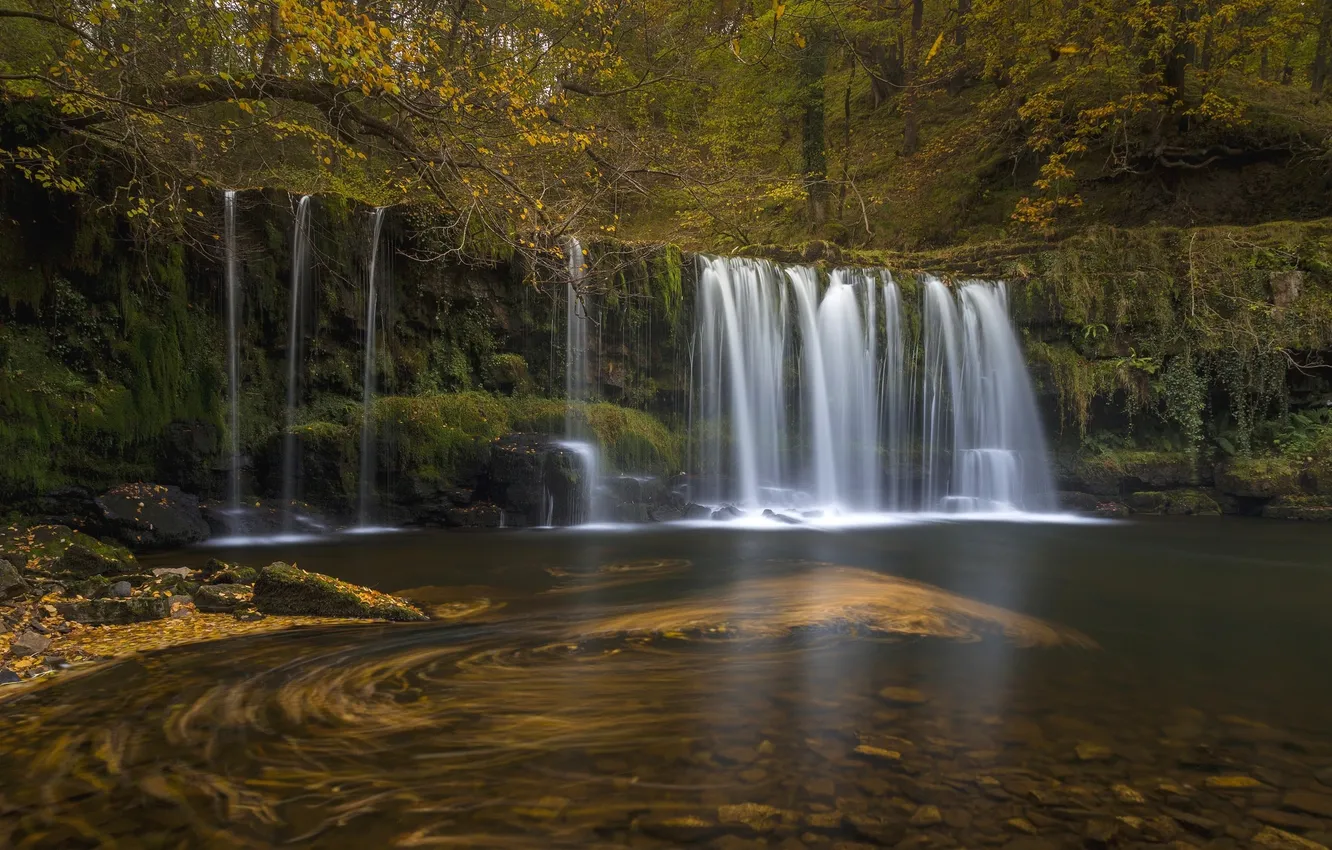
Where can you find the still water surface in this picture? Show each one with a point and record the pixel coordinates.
(928, 685)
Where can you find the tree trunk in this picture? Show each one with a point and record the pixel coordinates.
(911, 129)
(1319, 72)
(812, 66)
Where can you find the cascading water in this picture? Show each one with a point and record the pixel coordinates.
(871, 421)
(233, 296)
(578, 381)
(300, 260)
(368, 374)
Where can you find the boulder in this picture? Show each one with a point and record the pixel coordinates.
(235, 575)
(84, 562)
(479, 515)
(153, 516)
(120, 590)
(12, 583)
(696, 511)
(116, 612)
(222, 598)
(284, 589)
(1258, 478)
(727, 512)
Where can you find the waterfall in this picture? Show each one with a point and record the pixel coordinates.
(578, 379)
(233, 295)
(870, 420)
(300, 259)
(368, 374)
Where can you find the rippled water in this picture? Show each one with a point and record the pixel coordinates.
(725, 689)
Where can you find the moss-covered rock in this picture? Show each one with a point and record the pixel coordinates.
(1258, 477)
(1174, 503)
(1309, 508)
(235, 575)
(12, 584)
(40, 546)
(1113, 473)
(222, 598)
(83, 562)
(115, 612)
(285, 589)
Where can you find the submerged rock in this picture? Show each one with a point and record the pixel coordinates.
(769, 513)
(153, 516)
(115, 612)
(284, 589)
(695, 511)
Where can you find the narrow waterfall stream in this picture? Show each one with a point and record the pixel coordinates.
(233, 296)
(367, 477)
(578, 383)
(300, 262)
(814, 401)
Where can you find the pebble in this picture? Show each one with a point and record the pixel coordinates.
(1276, 839)
(1232, 783)
(927, 816)
(757, 816)
(1125, 794)
(1021, 825)
(903, 696)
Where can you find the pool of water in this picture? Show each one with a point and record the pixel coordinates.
(942, 684)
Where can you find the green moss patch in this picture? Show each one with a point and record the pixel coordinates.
(285, 589)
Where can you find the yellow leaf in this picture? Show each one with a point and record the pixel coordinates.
(938, 43)
(799, 40)
(778, 9)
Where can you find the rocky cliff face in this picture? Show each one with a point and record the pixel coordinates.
(1183, 363)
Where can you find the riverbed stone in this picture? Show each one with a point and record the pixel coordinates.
(152, 516)
(108, 612)
(12, 583)
(757, 816)
(1232, 783)
(1271, 838)
(903, 696)
(1285, 820)
(1309, 802)
(284, 589)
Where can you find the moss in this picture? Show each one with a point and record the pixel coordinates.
(1174, 503)
(1258, 477)
(1108, 472)
(43, 545)
(285, 589)
(1309, 508)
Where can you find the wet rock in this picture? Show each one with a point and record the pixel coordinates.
(903, 696)
(284, 589)
(757, 816)
(1232, 783)
(1072, 500)
(183, 572)
(84, 562)
(109, 612)
(727, 512)
(695, 511)
(1089, 751)
(9, 677)
(1309, 802)
(29, 643)
(877, 753)
(12, 584)
(247, 614)
(1185, 502)
(1285, 820)
(1307, 508)
(1271, 838)
(1198, 824)
(769, 513)
(1021, 825)
(479, 515)
(120, 590)
(235, 575)
(881, 830)
(1100, 832)
(1125, 794)
(828, 821)
(926, 816)
(685, 828)
(222, 598)
(152, 516)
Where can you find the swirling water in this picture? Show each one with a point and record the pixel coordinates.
(721, 689)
